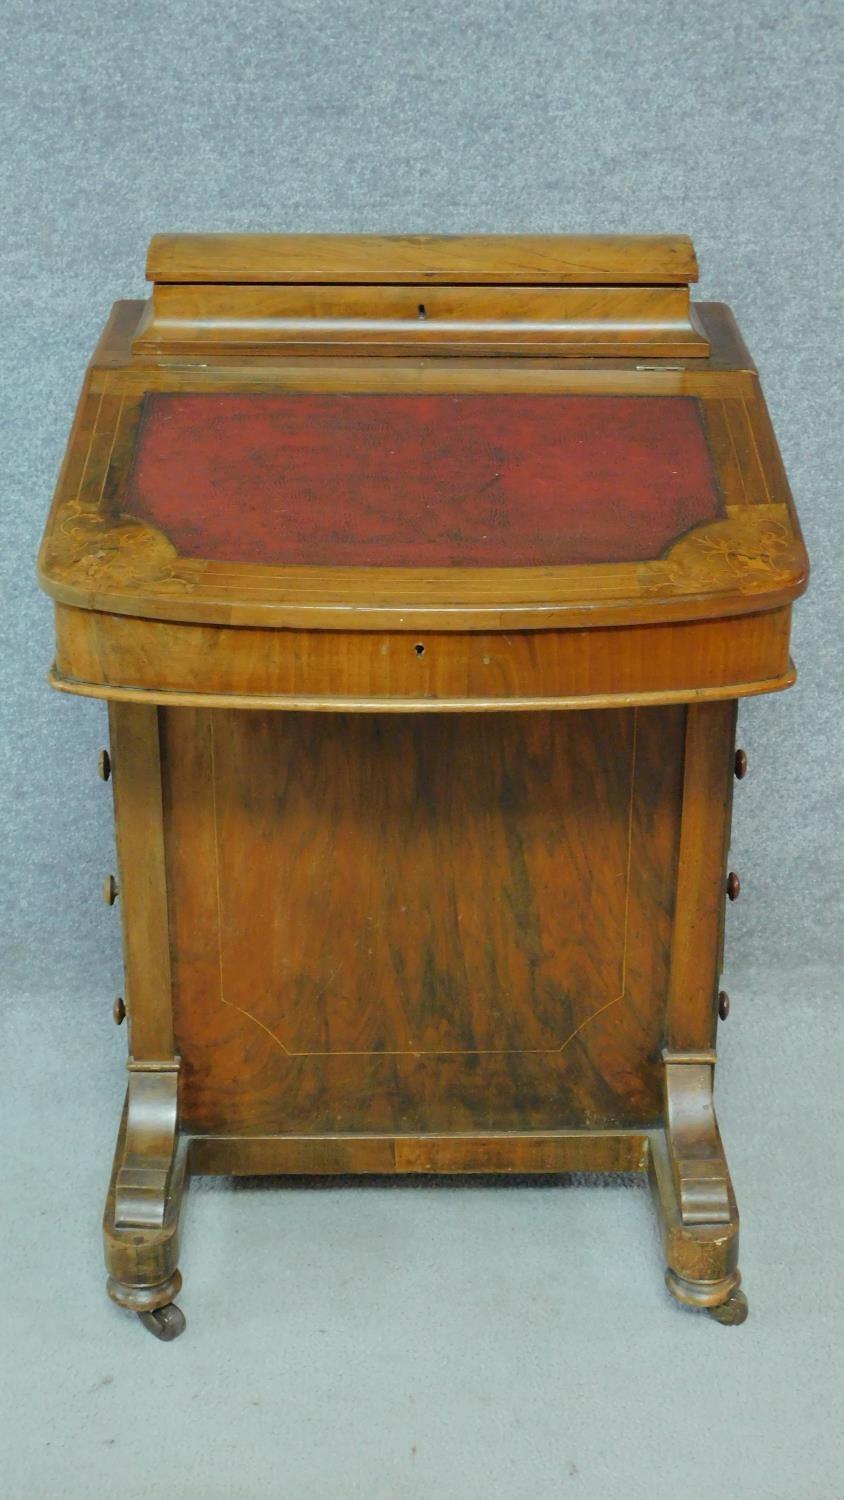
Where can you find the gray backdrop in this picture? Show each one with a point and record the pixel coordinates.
(487, 1372)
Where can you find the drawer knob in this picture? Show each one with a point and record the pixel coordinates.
(110, 891)
(733, 886)
(741, 765)
(723, 1005)
(118, 1011)
(104, 765)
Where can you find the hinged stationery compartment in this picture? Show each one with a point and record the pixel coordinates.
(368, 295)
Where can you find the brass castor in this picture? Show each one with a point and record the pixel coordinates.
(722, 1299)
(732, 1312)
(154, 1305)
(165, 1323)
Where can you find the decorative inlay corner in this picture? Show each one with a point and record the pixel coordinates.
(753, 547)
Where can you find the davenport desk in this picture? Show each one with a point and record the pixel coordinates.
(422, 577)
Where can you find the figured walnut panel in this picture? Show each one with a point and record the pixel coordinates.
(429, 924)
(500, 259)
(369, 320)
(105, 654)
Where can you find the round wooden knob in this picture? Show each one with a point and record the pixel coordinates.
(110, 890)
(723, 1005)
(118, 1010)
(733, 886)
(104, 765)
(741, 765)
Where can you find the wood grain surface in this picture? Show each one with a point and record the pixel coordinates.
(142, 884)
(453, 259)
(155, 660)
(371, 320)
(420, 925)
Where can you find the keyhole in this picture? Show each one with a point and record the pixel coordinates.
(422, 310)
(419, 649)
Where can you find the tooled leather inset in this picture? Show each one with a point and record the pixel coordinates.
(423, 480)
(94, 546)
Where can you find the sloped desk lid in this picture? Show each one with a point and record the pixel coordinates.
(462, 494)
(449, 433)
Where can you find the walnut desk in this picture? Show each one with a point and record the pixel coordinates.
(422, 577)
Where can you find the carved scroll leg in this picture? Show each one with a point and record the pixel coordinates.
(694, 1194)
(142, 1213)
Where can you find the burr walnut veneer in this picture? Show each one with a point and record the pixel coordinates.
(422, 577)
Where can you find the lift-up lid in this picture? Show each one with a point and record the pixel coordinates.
(501, 294)
(362, 433)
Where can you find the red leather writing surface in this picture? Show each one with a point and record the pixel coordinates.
(422, 481)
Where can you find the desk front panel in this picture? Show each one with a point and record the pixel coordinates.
(420, 923)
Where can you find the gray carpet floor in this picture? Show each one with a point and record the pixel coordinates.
(416, 1341)
(420, 1340)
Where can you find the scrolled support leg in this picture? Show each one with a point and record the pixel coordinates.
(694, 1195)
(143, 1208)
